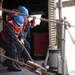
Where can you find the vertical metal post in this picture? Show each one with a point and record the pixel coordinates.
(62, 41)
(51, 17)
(53, 51)
(59, 26)
(52, 30)
(1, 26)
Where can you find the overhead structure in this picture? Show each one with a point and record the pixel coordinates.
(69, 3)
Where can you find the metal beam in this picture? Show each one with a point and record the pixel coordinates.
(67, 4)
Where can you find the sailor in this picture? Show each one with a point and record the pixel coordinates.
(10, 42)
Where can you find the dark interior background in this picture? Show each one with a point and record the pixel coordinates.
(32, 5)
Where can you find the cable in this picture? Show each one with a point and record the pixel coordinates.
(28, 54)
(42, 19)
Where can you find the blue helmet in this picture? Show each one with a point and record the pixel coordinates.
(19, 20)
(24, 10)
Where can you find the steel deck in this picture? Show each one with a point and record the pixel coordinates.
(3, 70)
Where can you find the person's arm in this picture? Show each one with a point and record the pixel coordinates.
(11, 33)
(21, 35)
(26, 30)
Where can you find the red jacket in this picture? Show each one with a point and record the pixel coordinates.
(16, 30)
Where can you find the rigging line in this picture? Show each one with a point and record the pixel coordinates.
(20, 63)
(30, 67)
(28, 54)
(31, 57)
(71, 36)
(68, 25)
(42, 19)
(72, 26)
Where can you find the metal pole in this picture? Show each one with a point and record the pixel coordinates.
(62, 41)
(1, 27)
(52, 48)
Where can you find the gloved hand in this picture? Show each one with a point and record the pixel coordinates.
(21, 42)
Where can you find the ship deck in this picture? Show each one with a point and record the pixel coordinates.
(3, 70)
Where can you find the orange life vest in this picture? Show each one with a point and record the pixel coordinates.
(10, 16)
(15, 28)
